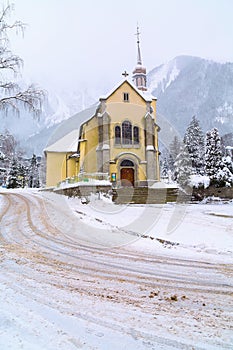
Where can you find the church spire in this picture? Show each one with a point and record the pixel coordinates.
(139, 51)
(139, 73)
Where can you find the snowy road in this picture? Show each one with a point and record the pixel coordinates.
(61, 290)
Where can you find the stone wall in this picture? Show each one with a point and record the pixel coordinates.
(83, 191)
(143, 195)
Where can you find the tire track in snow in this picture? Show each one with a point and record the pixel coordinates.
(115, 270)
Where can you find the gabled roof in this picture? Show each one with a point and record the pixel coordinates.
(69, 128)
(144, 95)
(68, 143)
(66, 136)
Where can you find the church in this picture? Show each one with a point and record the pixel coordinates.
(115, 139)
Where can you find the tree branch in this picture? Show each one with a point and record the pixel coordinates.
(8, 85)
(4, 26)
(31, 99)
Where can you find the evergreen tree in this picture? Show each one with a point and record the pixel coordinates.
(34, 181)
(13, 180)
(228, 162)
(225, 174)
(164, 168)
(224, 177)
(9, 149)
(23, 174)
(2, 155)
(213, 156)
(194, 140)
(171, 162)
(183, 167)
(174, 149)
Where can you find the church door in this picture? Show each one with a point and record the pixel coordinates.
(127, 177)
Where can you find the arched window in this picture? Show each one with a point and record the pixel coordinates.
(126, 133)
(135, 135)
(117, 135)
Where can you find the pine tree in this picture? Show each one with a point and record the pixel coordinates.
(228, 162)
(13, 180)
(224, 177)
(174, 147)
(171, 162)
(213, 156)
(174, 150)
(164, 168)
(225, 174)
(34, 181)
(183, 167)
(194, 140)
(23, 174)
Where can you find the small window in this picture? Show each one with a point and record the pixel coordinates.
(126, 97)
(135, 135)
(117, 135)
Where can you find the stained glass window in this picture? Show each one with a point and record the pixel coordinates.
(126, 133)
(136, 135)
(117, 135)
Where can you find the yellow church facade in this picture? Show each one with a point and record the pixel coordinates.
(116, 139)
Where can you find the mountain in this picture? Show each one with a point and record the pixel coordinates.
(187, 86)
(34, 132)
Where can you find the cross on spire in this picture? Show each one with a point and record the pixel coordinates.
(125, 74)
(139, 58)
(139, 73)
(138, 33)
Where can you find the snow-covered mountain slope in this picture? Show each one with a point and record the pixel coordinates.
(34, 132)
(187, 86)
(38, 142)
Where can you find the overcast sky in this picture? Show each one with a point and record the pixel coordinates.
(75, 43)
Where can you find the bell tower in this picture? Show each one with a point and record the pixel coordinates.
(139, 73)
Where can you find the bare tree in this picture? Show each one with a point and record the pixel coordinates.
(12, 96)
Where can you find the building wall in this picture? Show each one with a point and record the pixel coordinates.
(134, 97)
(59, 167)
(133, 111)
(88, 147)
(56, 168)
(97, 145)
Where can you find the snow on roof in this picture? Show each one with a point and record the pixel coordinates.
(68, 143)
(144, 94)
(62, 138)
(65, 129)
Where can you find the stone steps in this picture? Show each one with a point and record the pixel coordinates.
(143, 195)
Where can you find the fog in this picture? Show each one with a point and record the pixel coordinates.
(76, 44)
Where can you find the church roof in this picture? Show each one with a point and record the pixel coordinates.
(67, 133)
(68, 143)
(145, 95)
(66, 136)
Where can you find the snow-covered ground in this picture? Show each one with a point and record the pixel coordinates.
(204, 229)
(106, 276)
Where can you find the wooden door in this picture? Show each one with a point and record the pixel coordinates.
(127, 177)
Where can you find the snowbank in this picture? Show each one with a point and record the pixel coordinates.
(199, 181)
(162, 184)
(205, 230)
(90, 182)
